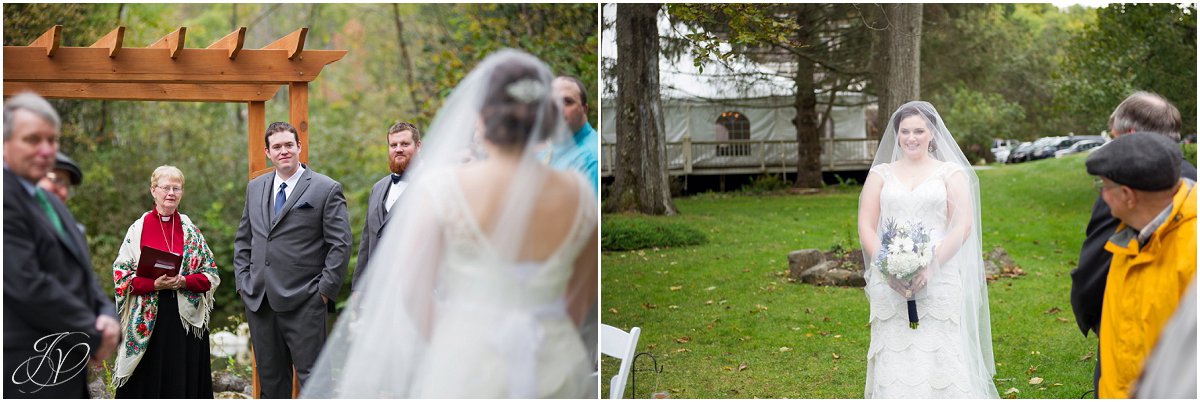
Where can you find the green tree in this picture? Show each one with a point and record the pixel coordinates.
(1130, 47)
(974, 117)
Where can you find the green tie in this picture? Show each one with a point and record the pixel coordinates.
(49, 210)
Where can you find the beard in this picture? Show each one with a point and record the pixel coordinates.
(398, 167)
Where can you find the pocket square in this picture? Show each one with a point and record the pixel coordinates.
(305, 205)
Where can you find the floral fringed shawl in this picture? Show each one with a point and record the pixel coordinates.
(139, 313)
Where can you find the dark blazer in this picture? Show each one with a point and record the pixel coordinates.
(377, 218)
(49, 287)
(1088, 279)
(302, 251)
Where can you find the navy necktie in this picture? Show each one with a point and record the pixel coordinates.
(280, 198)
(395, 178)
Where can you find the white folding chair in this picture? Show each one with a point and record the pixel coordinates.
(621, 345)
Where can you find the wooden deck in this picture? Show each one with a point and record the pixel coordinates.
(751, 156)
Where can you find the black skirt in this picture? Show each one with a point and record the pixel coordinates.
(176, 363)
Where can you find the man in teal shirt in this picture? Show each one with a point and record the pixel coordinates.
(582, 152)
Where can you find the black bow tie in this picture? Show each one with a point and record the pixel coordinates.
(395, 178)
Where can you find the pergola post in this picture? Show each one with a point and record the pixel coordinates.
(256, 122)
(298, 114)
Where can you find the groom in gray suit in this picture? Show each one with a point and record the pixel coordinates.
(290, 253)
(403, 142)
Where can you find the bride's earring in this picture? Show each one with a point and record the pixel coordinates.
(932, 147)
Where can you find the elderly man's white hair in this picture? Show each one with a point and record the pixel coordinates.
(33, 103)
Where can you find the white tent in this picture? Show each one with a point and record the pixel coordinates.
(693, 100)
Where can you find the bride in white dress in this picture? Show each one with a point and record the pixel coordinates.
(921, 177)
(486, 273)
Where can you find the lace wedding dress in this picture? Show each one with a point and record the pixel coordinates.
(930, 361)
(502, 331)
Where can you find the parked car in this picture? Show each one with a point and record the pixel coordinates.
(1049, 149)
(1002, 148)
(1081, 146)
(1020, 153)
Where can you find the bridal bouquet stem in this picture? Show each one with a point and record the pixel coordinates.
(904, 251)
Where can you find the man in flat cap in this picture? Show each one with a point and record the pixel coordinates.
(1140, 112)
(62, 178)
(1153, 250)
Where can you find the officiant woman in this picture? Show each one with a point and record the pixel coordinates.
(164, 322)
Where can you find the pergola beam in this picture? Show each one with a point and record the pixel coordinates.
(112, 41)
(293, 43)
(49, 41)
(146, 91)
(173, 42)
(232, 42)
(81, 64)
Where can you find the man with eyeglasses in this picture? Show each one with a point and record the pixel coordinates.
(1153, 250)
(62, 180)
(290, 255)
(1140, 112)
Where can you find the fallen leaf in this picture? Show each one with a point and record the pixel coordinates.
(673, 307)
(760, 307)
(1053, 310)
(1061, 319)
(743, 366)
(1031, 370)
(1057, 384)
(796, 328)
(681, 350)
(744, 338)
(1011, 391)
(1035, 380)
(684, 339)
(835, 356)
(649, 306)
(837, 336)
(785, 349)
(674, 288)
(1088, 356)
(727, 368)
(613, 310)
(710, 288)
(808, 310)
(1035, 353)
(808, 335)
(708, 303)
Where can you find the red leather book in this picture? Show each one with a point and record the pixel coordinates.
(155, 263)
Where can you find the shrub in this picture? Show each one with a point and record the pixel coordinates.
(765, 183)
(1189, 152)
(633, 234)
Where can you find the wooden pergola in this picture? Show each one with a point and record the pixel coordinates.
(167, 71)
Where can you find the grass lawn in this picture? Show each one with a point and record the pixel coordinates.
(724, 322)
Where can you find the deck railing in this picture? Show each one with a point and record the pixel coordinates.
(752, 156)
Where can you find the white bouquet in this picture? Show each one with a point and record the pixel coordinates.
(905, 249)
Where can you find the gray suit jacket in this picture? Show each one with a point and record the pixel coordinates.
(377, 218)
(302, 251)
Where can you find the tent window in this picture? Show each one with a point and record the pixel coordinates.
(733, 126)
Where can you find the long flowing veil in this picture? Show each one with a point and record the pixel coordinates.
(377, 347)
(976, 319)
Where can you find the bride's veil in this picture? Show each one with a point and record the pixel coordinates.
(976, 319)
(376, 347)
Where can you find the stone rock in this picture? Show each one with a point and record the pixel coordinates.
(995, 261)
(830, 273)
(224, 381)
(801, 260)
(96, 388)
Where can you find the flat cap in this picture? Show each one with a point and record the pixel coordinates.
(1141, 161)
(61, 161)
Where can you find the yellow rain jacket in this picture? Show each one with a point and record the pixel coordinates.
(1145, 283)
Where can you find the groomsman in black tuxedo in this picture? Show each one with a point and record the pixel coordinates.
(56, 320)
(1140, 112)
(403, 142)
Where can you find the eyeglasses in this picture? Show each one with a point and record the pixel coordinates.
(1099, 185)
(170, 189)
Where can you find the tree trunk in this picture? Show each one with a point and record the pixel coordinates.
(640, 182)
(808, 138)
(406, 62)
(900, 72)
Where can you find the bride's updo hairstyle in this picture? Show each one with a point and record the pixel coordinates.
(518, 105)
(909, 111)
